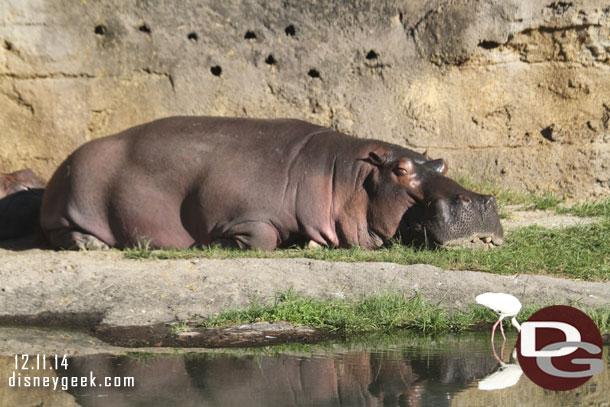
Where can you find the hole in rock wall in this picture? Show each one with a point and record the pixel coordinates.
(290, 30)
(270, 60)
(488, 44)
(372, 55)
(100, 29)
(192, 37)
(216, 70)
(250, 35)
(144, 28)
(547, 133)
(313, 73)
(8, 45)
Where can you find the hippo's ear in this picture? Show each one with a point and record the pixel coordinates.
(376, 159)
(439, 166)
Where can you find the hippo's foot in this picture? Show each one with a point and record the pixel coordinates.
(312, 244)
(227, 244)
(73, 240)
(89, 242)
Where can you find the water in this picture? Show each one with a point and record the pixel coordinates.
(400, 370)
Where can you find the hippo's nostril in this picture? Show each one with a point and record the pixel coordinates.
(464, 198)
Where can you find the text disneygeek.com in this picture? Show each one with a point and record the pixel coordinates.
(28, 372)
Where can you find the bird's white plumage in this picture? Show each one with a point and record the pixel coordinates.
(505, 305)
(506, 376)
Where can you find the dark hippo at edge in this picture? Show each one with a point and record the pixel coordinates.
(20, 198)
(185, 181)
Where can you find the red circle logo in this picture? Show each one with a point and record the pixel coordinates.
(560, 348)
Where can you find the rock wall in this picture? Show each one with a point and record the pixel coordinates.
(512, 91)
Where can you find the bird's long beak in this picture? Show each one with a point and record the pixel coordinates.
(516, 324)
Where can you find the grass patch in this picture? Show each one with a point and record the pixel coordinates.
(544, 202)
(579, 252)
(589, 209)
(601, 317)
(380, 313)
(179, 327)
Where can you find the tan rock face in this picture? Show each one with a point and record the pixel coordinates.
(513, 91)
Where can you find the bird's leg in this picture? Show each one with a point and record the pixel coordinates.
(493, 347)
(502, 329)
(504, 341)
(502, 349)
(493, 330)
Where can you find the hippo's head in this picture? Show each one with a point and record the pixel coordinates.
(439, 211)
(24, 180)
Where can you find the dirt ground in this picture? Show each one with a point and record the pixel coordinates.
(519, 217)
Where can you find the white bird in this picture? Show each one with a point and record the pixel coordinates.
(505, 305)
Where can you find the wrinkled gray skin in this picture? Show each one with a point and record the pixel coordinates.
(197, 181)
(20, 198)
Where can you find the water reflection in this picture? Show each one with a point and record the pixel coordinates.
(507, 375)
(412, 373)
(402, 371)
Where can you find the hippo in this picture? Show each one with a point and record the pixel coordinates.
(183, 182)
(20, 199)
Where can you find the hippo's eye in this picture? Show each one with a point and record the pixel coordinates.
(400, 171)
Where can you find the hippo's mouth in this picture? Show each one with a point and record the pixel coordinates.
(422, 228)
(423, 237)
(476, 241)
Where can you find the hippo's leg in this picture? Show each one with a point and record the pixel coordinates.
(73, 240)
(249, 235)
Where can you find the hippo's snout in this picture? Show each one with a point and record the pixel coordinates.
(464, 219)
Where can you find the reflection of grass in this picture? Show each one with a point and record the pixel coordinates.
(378, 341)
(379, 312)
(580, 252)
(142, 356)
